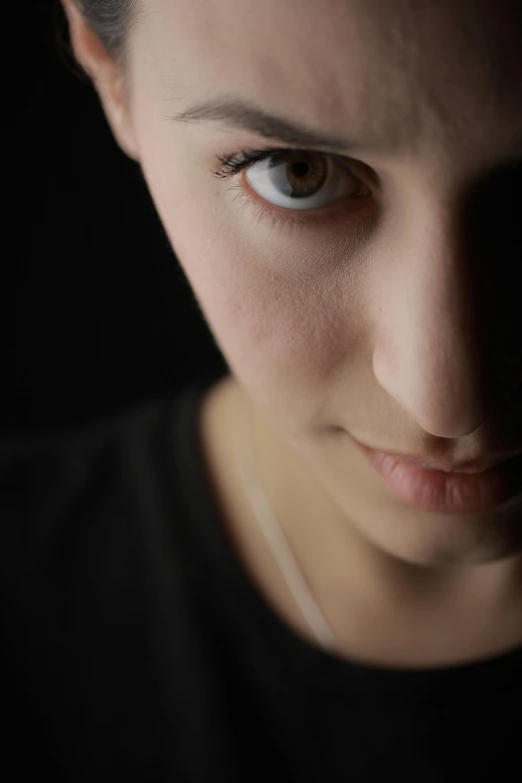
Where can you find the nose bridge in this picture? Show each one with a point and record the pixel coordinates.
(435, 349)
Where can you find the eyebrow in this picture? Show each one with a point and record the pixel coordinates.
(246, 116)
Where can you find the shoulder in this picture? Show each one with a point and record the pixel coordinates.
(45, 474)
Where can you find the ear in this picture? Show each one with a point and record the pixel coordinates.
(106, 77)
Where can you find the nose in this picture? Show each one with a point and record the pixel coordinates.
(448, 313)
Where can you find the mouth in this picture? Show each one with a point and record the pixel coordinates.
(471, 489)
(468, 466)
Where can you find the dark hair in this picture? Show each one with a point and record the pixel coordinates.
(112, 21)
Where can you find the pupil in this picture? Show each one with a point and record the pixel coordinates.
(301, 169)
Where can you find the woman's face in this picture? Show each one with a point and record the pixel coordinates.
(367, 288)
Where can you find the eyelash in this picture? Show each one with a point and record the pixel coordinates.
(231, 165)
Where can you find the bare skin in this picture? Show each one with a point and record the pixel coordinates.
(389, 312)
(381, 613)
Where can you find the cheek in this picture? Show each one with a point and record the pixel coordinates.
(274, 331)
(287, 342)
(277, 333)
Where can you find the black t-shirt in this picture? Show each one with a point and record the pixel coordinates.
(136, 647)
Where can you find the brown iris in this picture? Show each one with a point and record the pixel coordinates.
(305, 173)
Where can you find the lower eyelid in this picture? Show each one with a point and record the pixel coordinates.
(324, 216)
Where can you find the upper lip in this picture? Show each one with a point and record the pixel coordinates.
(448, 465)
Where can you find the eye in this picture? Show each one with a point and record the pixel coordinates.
(303, 180)
(303, 184)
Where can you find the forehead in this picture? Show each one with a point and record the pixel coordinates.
(415, 68)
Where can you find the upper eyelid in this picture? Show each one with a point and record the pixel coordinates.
(332, 155)
(344, 160)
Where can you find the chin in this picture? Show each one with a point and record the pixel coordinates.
(438, 540)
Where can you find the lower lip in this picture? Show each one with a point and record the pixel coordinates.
(448, 493)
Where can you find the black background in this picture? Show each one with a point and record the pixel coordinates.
(100, 315)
